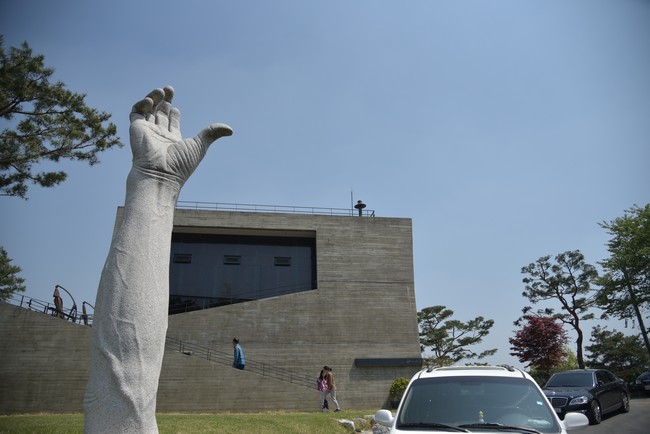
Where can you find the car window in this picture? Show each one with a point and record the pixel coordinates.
(465, 400)
(571, 379)
(605, 377)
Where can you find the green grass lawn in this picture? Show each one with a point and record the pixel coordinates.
(174, 423)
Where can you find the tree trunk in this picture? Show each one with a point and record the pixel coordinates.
(637, 311)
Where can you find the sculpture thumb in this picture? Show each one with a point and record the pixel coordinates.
(211, 133)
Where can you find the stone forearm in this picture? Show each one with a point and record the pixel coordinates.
(131, 311)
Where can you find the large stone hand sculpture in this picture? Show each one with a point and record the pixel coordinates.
(130, 321)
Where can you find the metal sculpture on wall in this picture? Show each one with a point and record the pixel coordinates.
(130, 318)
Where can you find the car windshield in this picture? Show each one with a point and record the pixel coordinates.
(571, 379)
(455, 401)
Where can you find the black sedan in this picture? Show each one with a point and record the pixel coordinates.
(593, 392)
(642, 382)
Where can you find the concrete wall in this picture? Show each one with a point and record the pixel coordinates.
(43, 362)
(364, 307)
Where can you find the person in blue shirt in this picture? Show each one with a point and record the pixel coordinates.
(238, 355)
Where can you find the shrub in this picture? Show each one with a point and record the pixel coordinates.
(398, 387)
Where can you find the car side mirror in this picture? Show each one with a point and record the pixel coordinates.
(575, 421)
(385, 418)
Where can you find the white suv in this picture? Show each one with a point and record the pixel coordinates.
(483, 399)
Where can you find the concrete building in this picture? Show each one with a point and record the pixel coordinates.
(300, 289)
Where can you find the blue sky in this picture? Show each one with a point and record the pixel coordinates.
(505, 129)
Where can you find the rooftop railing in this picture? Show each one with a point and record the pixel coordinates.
(47, 308)
(244, 207)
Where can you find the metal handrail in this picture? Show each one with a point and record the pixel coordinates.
(253, 366)
(47, 308)
(188, 348)
(239, 207)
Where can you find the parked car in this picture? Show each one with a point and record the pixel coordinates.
(592, 392)
(642, 383)
(482, 399)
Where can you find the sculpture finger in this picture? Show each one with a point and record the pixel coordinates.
(175, 122)
(162, 114)
(141, 109)
(164, 107)
(209, 134)
(144, 108)
(169, 93)
(156, 95)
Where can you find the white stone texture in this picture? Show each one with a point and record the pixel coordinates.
(130, 319)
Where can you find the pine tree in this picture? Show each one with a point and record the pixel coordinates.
(51, 123)
(9, 280)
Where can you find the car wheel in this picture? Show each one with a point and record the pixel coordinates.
(625, 403)
(595, 414)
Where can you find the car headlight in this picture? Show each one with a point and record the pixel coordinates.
(579, 400)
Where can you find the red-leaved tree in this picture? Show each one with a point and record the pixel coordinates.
(541, 343)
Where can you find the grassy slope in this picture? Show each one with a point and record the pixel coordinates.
(248, 423)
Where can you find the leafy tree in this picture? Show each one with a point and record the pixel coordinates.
(51, 123)
(9, 280)
(625, 286)
(449, 339)
(540, 343)
(611, 349)
(566, 280)
(569, 362)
